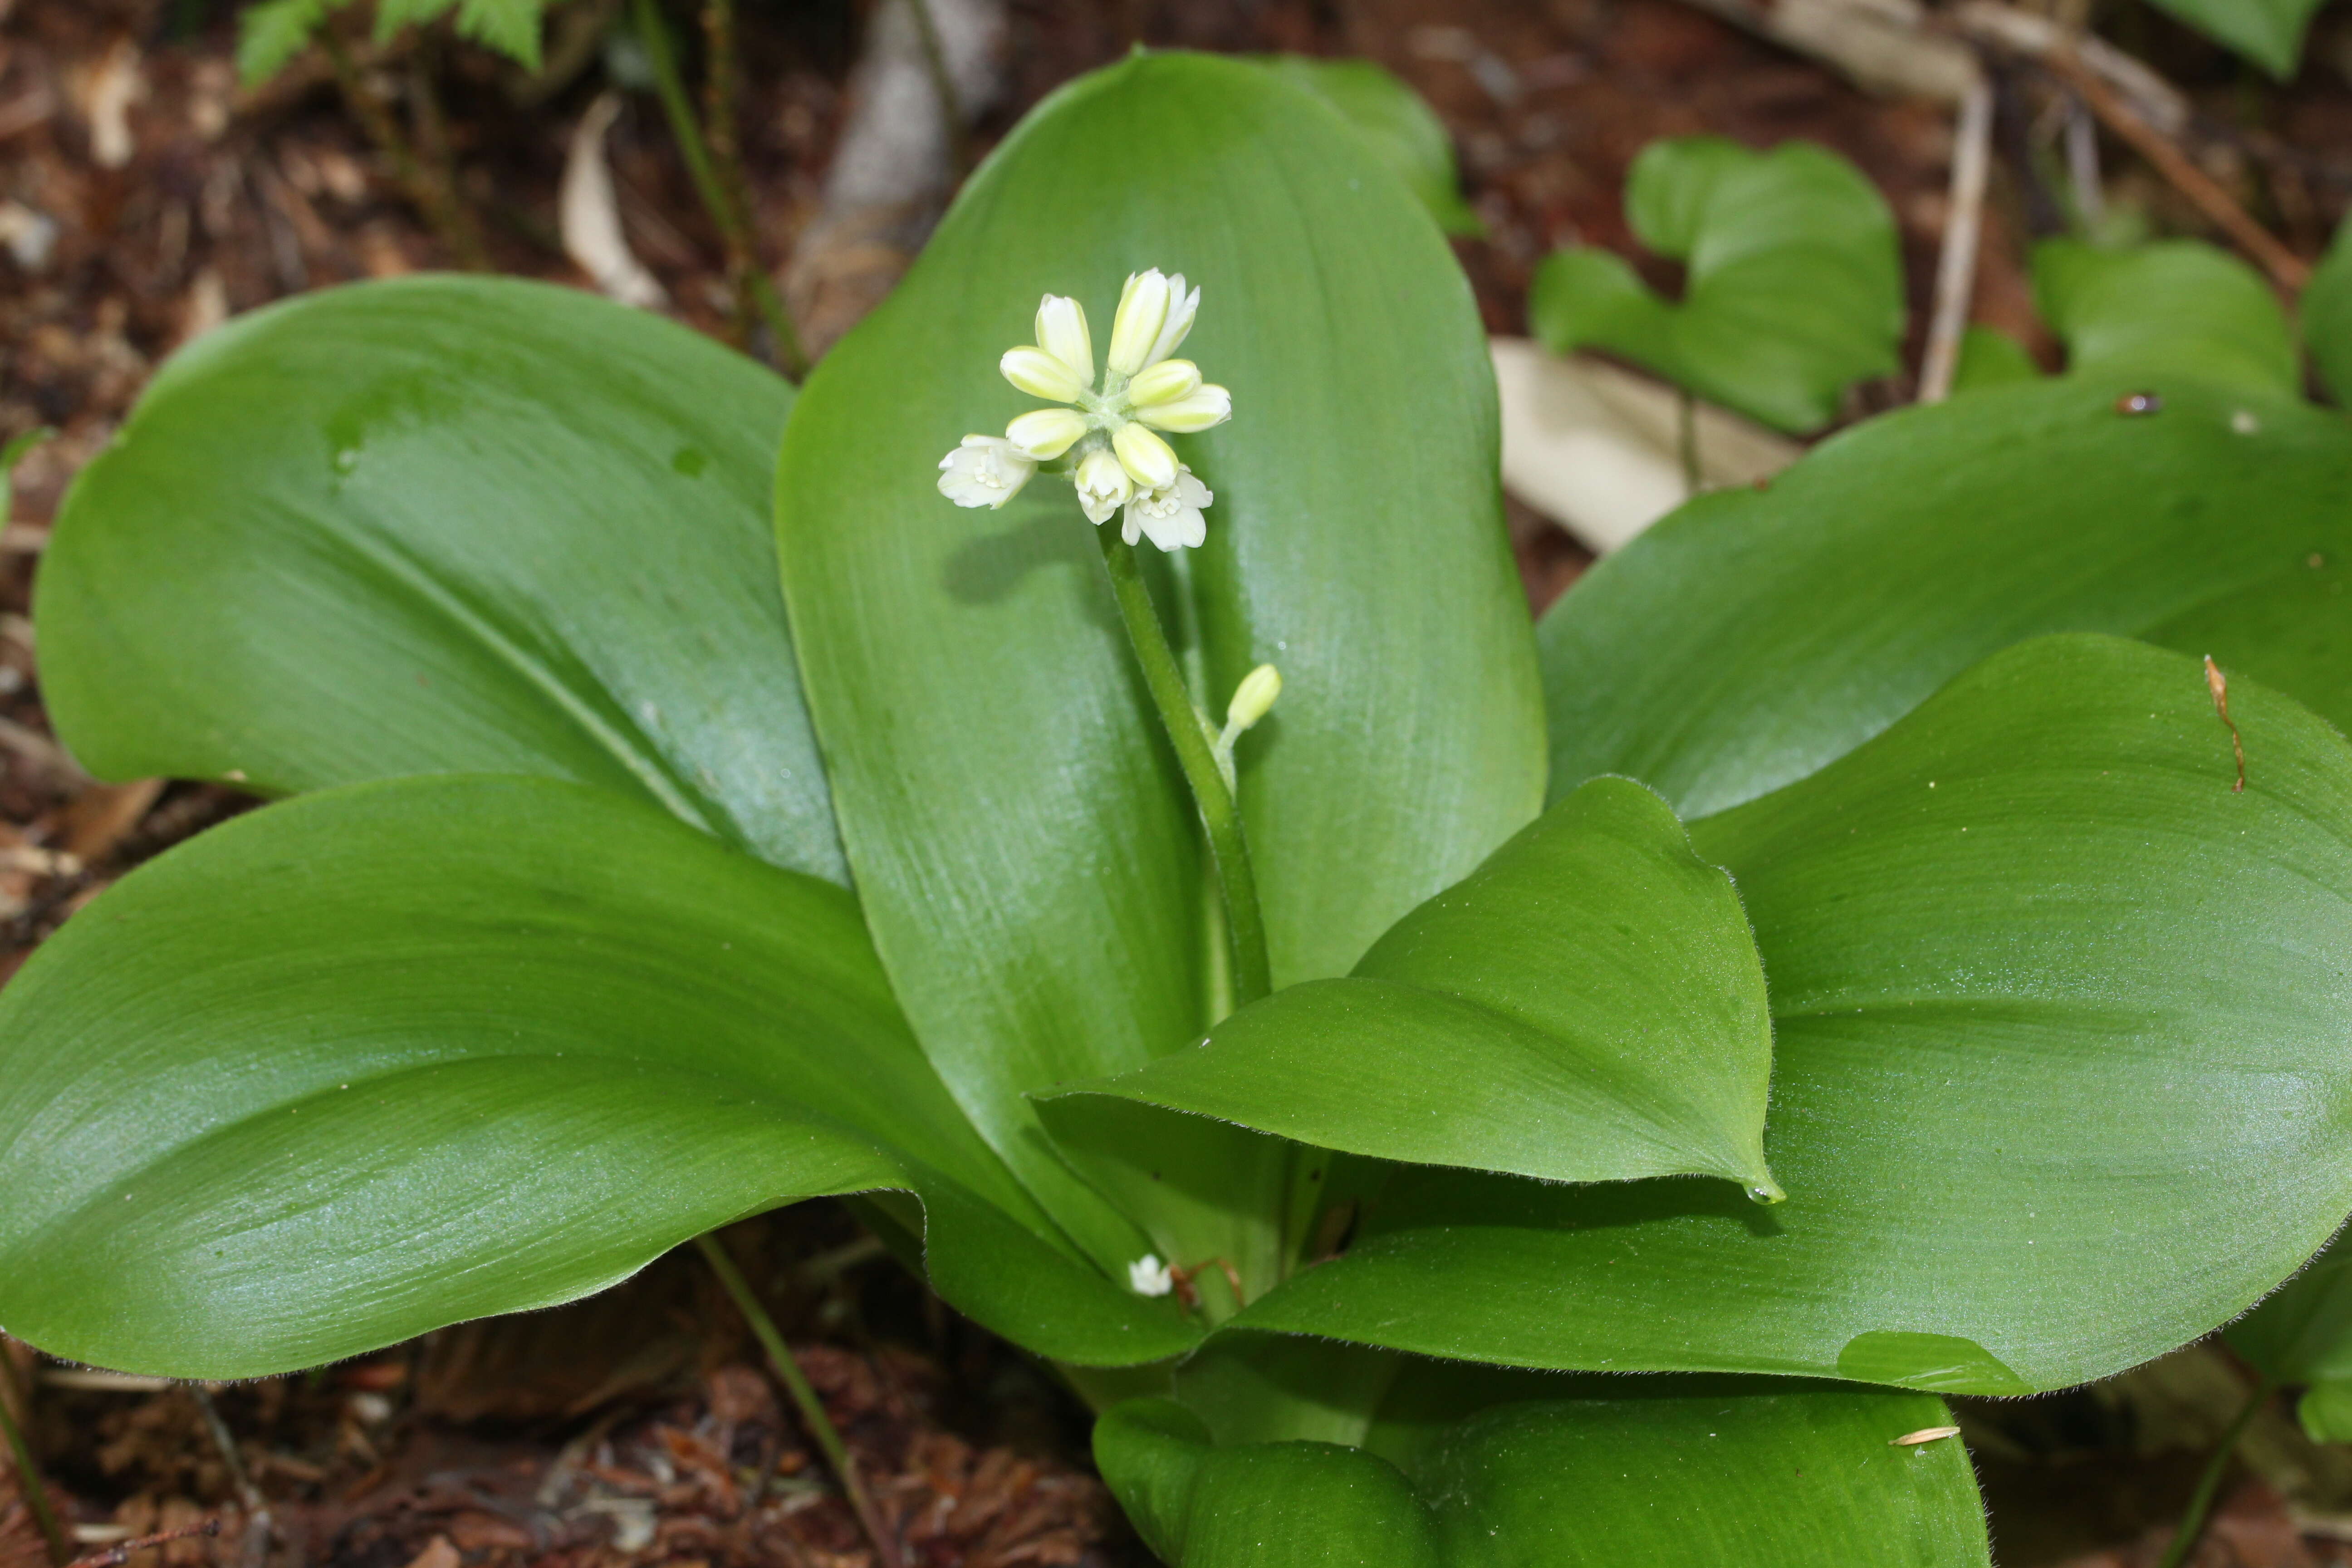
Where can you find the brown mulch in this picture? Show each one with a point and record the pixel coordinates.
(639, 1427)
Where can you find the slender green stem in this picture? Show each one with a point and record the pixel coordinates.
(1686, 440)
(2209, 1485)
(1189, 732)
(441, 204)
(729, 206)
(788, 1371)
(28, 1474)
(943, 88)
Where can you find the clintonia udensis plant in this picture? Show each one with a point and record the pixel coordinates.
(676, 829)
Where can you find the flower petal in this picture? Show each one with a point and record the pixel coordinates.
(1046, 432)
(985, 471)
(1204, 406)
(1041, 375)
(1142, 312)
(1103, 485)
(1181, 309)
(1062, 332)
(1163, 383)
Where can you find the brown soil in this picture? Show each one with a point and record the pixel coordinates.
(639, 1427)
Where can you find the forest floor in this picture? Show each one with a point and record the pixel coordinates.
(143, 198)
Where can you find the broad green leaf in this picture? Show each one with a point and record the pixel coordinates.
(2303, 1335)
(2061, 1069)
(436, 525)
(1403, 131)
(1023, 845)
(1795, 280)
(1755, 636)
(2268, 32)
(2171, 306)
(1462, 1466)
(1586, 1006)
(2326, 307)
(1989, 357)
(374, 1060)
(271, 32)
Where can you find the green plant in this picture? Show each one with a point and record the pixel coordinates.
(560, 965)
(1795, 286)
(272, 32)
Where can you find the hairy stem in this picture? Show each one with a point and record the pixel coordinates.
(28, 1474)
(1188, 733)
(788, 1371)
(2209, 1485)
(442, 209)
(729, 205)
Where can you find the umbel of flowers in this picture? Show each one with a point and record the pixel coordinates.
(1104, 437)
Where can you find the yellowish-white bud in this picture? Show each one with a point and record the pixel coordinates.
(1046, 432)
(1181, 307)
(1103, 485)
(1254, 698)
(1142, 312)
(1147, 459)
(1062, 332)
(1163, 383)
(1206, 406)
(1041, 375)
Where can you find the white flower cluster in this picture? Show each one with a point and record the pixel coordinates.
(1107, 435)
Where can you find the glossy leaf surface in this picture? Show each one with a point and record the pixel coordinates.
(1795, 286)
(1402, 130)
(1333, 1454)
(2155, 310)
(1022, 841)
(1585, 1006)
(1755, 636)
(2049, 997)
(369, 1062)
(442, 525)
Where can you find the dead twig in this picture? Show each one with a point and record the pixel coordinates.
(122, 1551)
(1956, 270)
(2219, 685)
(2288, 271)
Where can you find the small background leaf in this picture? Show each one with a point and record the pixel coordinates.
(2165, 308)
(1795, 282)
(2268, 32)
(2303, 1335)
(1402, 130)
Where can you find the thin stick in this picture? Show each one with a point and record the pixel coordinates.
(37, 1495)
(729, 210)
(440, 166)
(1188, 733)
(2286, 269)
(935, 60)
(122, 1551)
(812, 1408)
(1956, 270)
(2200, 1501)
(256, 1508)
(718, 109)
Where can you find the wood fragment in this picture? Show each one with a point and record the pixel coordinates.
(122, 1551)
(1955, 271)
(2219, 685)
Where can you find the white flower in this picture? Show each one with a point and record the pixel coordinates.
(1106, 433)
(1104, 486)
(1147, 1275)
(985, 470)
(1169, 516)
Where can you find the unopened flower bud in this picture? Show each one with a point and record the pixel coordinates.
(1142, 312)
(1254, 698)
